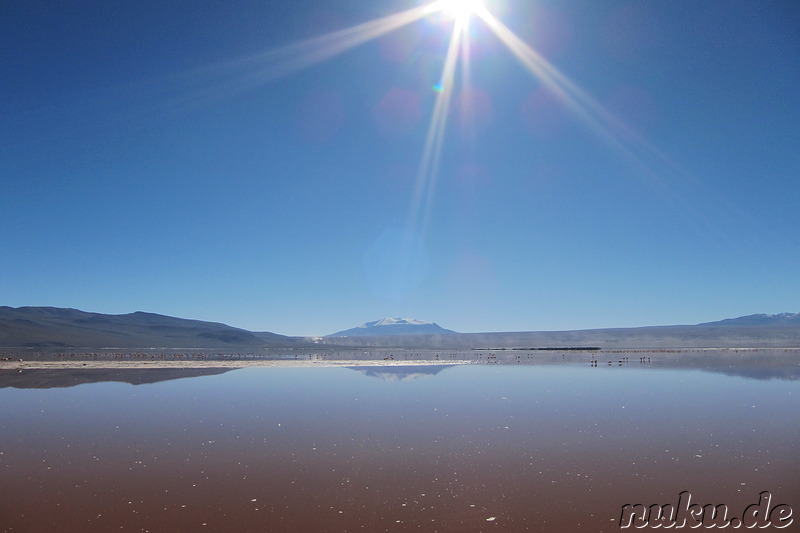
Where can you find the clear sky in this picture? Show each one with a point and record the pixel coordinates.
(587, 164)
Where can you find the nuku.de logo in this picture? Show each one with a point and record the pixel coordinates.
(687, 514)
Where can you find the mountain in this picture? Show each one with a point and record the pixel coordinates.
(393, 326)
(754, 331)
(758, 320)
(52, 327)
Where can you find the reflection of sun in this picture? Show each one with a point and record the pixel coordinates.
(458, 9)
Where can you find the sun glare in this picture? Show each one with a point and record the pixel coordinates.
(458, 9)
(458, 16)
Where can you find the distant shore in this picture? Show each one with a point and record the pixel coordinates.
(10, 360)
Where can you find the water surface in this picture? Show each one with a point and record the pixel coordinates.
(555, 447)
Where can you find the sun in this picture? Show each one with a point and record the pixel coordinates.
(458, 9)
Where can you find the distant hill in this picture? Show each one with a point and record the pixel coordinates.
(758, 320)
(781, 330)
(652, 337)
(52, 328)
(393, 326)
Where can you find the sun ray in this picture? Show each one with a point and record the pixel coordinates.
(427, 174)
(648, 161)
(596, 117)
(466, 80)
(247, 73)
(422, 201)
(565, 90)
(318, 49)
(226, 79)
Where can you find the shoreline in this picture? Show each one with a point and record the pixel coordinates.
(403, 358)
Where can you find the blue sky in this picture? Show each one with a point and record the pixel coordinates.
(176, 157)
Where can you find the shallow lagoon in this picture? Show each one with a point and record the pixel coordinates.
(512, 447)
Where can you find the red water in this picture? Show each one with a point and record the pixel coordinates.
(463, 449)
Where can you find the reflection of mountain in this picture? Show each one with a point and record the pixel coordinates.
(749, 368)
(68, 377)
(399, 373)
(767, 364)
(763, 374)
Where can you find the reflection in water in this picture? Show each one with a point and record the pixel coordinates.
(474, 448)
(765, 374)
(400, 373)
(70, 377)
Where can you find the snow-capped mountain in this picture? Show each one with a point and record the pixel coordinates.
(758, 320)
(393, 326)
